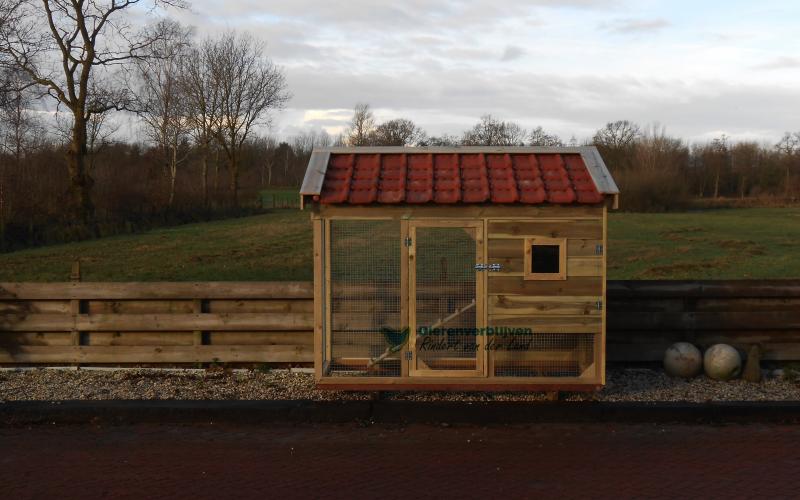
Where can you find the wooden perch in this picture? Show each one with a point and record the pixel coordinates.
(386, 353)
(439, 323)
(453, 315)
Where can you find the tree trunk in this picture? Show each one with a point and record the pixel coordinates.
(204, 173)
(233, 163)
(716, 185)
(216, 174)
(173, 173)
(80, 182)
(788, 178)
(2, 205)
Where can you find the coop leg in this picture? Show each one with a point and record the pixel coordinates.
(553, 395)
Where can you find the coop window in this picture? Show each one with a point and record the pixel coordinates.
(545, 258)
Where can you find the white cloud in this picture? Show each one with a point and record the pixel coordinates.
(635, 26)
(512, 52)
(687, 64)
(779, 63)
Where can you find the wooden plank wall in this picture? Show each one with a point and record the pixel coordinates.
(141, 323)
(567, 306)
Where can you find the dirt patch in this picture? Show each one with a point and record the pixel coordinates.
(683, 268)
(681, 234)
(742, 246)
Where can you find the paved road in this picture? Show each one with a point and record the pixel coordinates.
(379, 461)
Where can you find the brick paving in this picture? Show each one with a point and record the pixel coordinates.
(415, 461)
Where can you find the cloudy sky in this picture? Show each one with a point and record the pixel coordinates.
(701, 68)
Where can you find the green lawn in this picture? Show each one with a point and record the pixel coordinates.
(733, 243)
(274, 246)
(714, 244)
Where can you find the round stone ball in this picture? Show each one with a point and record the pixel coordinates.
(722, 362)
(683, 360)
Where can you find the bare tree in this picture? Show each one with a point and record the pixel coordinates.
(539, 137)
(19, 133)
(745, 158)
(305, 142)
(397, 132)
(789, 147)
(617, 135)
(17, 123)
(493, 132)
(617, 142)
(719, 153)
(202, 105)
(361, 126)
(161, 101)
(98, 134)
(444, 140)
(89, 40)
(250, 86)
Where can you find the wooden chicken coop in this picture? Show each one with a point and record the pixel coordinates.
(459, 268)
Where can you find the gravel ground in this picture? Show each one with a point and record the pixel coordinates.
(622, 385)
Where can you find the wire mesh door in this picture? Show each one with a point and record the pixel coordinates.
(446, 290)
(366, 334)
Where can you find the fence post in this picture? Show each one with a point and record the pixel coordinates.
(75, 304)
(75, 275)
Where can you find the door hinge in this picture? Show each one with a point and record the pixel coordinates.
(598, 249)
(407, 241)
(599, 305)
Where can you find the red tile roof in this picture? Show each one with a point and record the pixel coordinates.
(459, 177)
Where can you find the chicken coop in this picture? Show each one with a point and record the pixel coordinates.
(459, 268)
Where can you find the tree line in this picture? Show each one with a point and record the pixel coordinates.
(198, 102)
(204, 106)
(655, 171)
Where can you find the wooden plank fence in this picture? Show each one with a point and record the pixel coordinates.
(112, 323)
(644, 317)
(244, 322)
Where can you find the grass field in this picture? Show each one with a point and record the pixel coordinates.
(714, 244)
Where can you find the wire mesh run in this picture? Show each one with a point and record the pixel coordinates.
(542, 354)
(366, 339)
(447, 338)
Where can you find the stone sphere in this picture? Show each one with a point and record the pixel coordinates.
(684, 360)
(722, 362)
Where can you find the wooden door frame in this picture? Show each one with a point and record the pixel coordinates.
(480, 297)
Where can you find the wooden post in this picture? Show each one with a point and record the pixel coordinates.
(75, 275)
(752, 369)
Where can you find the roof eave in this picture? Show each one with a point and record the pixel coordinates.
(598, 170)
(315, 172)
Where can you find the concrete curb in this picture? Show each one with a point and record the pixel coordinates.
(18, 413)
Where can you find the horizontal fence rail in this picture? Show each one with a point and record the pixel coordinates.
(251, 322)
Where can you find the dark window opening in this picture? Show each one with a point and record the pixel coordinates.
(545, 259)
